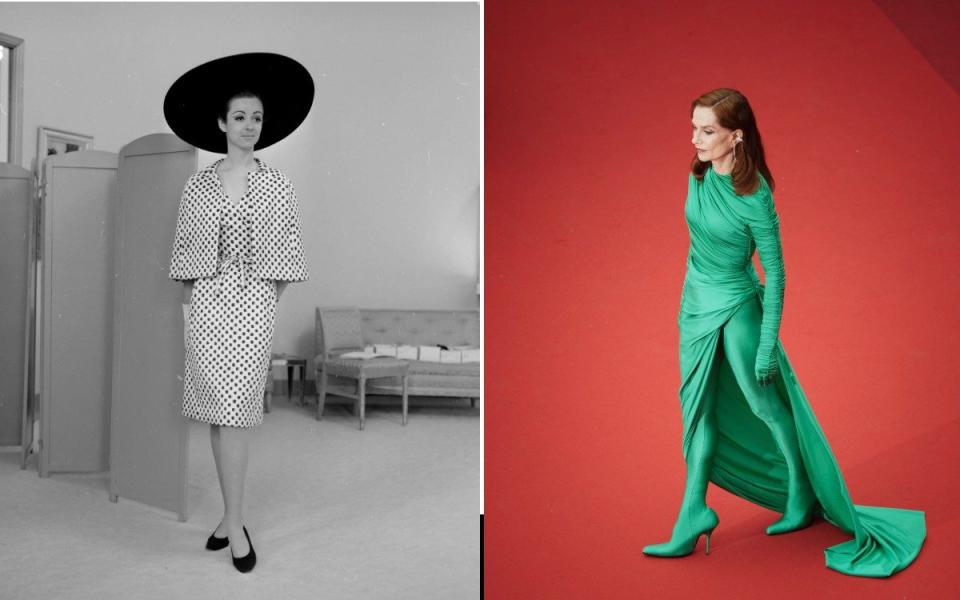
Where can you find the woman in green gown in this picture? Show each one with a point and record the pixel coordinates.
(747, 425)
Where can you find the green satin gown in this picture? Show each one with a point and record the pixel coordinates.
(725, 229)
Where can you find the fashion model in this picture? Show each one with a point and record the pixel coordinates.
(747, 425)
(237, 244)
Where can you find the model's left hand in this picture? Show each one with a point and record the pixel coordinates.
(764, 371)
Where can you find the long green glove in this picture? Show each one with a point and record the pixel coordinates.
(761, 217)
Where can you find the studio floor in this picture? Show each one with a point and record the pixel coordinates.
(333, 512)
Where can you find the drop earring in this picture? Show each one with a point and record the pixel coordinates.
(736, 142)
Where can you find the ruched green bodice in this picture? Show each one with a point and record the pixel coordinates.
(725, 230)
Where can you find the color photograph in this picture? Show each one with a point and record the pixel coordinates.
(719, 300)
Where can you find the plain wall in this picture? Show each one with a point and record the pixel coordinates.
(387, 165)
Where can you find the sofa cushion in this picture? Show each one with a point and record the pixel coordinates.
(420, 367)
(421, 327)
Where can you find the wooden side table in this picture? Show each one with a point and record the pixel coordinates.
(291, 362)
(361, 370)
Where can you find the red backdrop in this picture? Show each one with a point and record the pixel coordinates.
(587, 154)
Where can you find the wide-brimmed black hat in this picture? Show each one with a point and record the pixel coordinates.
(197, 97)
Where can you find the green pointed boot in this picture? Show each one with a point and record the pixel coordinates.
(695, 518)
(801, 499)
(686, 533)
(801, 506)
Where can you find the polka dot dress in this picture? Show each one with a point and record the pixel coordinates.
(231, 324)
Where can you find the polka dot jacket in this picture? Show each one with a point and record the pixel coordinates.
(277, 239)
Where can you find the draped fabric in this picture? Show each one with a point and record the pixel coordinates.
(725, 230)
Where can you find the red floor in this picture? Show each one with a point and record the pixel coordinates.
(587, 150)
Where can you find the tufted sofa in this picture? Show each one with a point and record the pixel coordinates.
(419, 328)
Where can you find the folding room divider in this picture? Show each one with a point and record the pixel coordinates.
(110, 348)
(148, 436)
(78, 206)
(18, 265)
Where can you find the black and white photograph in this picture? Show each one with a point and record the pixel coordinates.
(241, 337)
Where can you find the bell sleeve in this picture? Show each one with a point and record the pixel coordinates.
(764, 226)
(296, 261)
(282, 256)
(194, 250)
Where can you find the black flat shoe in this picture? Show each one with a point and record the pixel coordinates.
(245, 563)
(215, 543)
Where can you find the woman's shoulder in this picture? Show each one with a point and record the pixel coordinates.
(272, 173)
(208, 170)
(203, 174)
(761, 195)
(202, 179)
(209, 173)
(764, 186)
(277, 174)
(757, 208)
